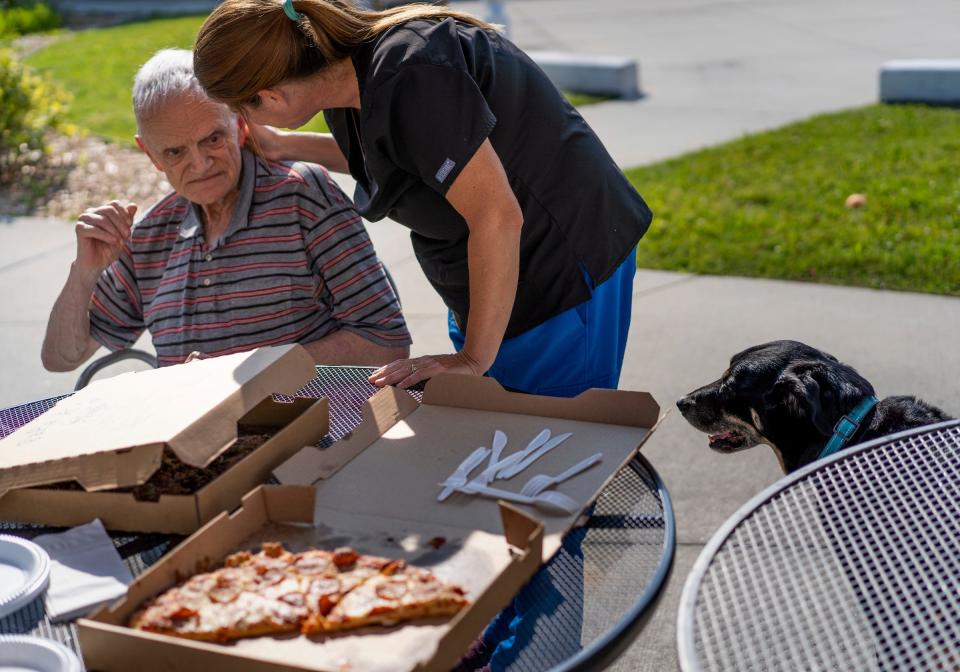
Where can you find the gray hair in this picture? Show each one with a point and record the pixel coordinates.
(167, 74)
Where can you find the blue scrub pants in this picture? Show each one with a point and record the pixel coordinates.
(578, 349)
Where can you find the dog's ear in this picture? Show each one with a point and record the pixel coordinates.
(812, 390)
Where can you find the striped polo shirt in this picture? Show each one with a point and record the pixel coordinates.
(294, 265)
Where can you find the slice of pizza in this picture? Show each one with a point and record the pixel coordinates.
(251, 595)
(396, 594)
(275, 592)
(347, 570)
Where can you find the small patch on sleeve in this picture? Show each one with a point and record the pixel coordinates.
(445, 170)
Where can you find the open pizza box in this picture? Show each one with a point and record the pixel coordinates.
(377, 491)
(113, 434)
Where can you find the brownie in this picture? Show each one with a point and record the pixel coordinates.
(176, 478)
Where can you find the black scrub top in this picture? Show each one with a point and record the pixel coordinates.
(430, 93)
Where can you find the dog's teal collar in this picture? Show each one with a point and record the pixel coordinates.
(847, 426)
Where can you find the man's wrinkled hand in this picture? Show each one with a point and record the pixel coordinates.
(101, 234)
(405, 373)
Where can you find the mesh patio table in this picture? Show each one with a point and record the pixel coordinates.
(852, 563)
(606, 591)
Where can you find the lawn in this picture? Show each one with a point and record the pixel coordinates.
(97, 67)
(773, 204)
(768, 205)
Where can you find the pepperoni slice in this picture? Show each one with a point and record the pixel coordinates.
(272, 577)
(294, 599)
(391, 590)
(313, 564)
(345, 556)
(181, 613)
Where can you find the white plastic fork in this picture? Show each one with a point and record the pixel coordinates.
(533, 456)
(460, 475)
(550, 500)
(541, 482)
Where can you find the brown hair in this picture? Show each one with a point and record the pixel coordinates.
(246, 46)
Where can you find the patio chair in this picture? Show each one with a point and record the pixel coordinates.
(97, 365)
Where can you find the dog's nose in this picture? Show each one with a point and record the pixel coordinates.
(684, 404)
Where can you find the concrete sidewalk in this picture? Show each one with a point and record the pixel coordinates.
(712, 70)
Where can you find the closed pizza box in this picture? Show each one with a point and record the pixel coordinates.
(377, 491)
(113, 434)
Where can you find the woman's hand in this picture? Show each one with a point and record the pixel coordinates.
(269, 140)
(277, 145)
(405, 373)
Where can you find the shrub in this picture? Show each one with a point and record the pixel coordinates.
(20, 18)
(29, 106)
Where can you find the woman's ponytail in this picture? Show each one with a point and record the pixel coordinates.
(246, 46)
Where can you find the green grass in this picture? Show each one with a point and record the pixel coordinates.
(769, 205)
(773, 205)
(583, 99)
(97, 66)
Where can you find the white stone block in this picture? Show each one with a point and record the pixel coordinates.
(920, 81)
(598, 75)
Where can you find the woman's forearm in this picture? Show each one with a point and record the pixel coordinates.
(482, 196)
(493, 255)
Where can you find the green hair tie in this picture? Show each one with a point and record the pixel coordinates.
(291, 13)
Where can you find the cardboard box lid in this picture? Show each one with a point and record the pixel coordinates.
(112, 433)
(401, 451)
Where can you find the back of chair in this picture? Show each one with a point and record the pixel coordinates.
(98, 365)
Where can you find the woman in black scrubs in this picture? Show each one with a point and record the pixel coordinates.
(518, 216)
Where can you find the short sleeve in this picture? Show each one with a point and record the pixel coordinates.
(116, 316)
(352, 280)
(436, 119)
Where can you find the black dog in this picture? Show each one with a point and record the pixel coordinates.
(791, 396)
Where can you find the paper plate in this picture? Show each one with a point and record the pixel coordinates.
(33, 654)
(24, 572)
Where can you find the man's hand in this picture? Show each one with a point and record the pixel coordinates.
(405, 373)
(101, 234)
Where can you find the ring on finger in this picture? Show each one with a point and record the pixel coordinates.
(413, 367)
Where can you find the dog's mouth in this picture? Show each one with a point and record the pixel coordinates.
(728, 441)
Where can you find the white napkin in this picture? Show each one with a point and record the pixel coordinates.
(85, 571)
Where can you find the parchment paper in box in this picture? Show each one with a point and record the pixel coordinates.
(111, 434)
(401, 453)
(491, 567)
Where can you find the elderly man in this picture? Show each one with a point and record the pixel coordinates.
(244, 254)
